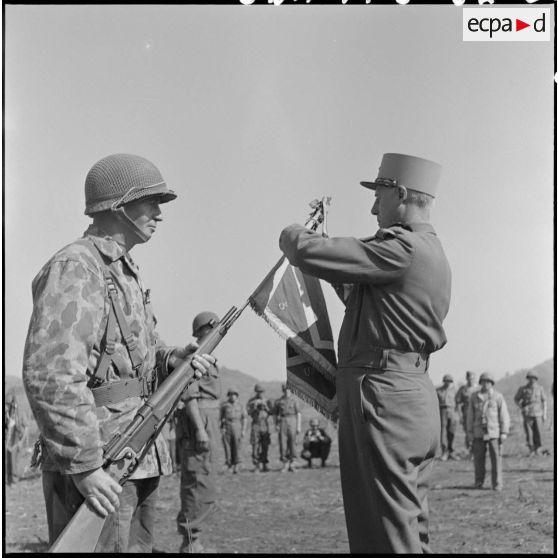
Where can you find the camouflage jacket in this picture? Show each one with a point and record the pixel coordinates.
(532, 400)
(63, 346)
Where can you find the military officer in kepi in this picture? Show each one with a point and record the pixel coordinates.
(93, 355)
(396, 288)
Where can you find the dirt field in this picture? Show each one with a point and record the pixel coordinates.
(302, 512)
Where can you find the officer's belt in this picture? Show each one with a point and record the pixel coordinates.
(204, 403)
(392, 359)
(116, 392)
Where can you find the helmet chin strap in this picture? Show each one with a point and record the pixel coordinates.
(123, 217)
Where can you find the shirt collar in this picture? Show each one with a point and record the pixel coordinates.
(105, 243)
(416, 227)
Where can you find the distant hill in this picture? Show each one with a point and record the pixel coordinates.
(509, 385)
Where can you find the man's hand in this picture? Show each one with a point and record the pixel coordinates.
(200, 363)
(202, 440)
(100, 491)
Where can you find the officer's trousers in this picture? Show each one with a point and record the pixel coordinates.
(447, 432)
(389, 425)
(480, 447)
(260, 440)
(232, 440)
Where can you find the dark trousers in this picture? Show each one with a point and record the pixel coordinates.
(447, 432)
(479, 455)
(389, 427)
(129, 529)
(260, 441)
(533, 428)
(197, 476)
(318, 449)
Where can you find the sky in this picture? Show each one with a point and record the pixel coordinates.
(250, 113)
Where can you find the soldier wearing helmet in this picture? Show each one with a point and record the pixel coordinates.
(286, 415)
(488, 424)
(233, 426)
(91, 360)
(448, 417)
(462, 403)
(259, 408)
(531, 399)
(315, 443)
(396, 286)
(197, 438)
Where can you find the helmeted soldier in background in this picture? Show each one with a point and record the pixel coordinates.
(488, 425)
(259, 410)
(448, 418)
(198, 432)
(93, 355)
(315, 444)
(396, 288)
(286, 414)
(531, 399)
(233, 426)
(462, 404)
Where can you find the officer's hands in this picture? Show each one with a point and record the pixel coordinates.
(100, 491)
(202, 440)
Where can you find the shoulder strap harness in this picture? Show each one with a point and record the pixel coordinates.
(106, 393)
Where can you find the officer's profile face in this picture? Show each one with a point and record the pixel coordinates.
(386, 205)
(145, 214)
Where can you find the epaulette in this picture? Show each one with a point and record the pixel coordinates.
(385, 234)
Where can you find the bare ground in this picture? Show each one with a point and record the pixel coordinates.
(302, 512)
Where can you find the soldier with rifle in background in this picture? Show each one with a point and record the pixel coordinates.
(198, 432)
(93, 356)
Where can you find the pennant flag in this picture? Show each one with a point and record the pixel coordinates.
(293, 304)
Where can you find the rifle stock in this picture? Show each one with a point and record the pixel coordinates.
(125, 451)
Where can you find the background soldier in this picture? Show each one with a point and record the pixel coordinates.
(287, 422)
(488, 424)
(88, 366)
(448, 419)
(198, 431)
(259, 410)
(15, 434)
(233, 425)
(315, 443)
(531, 399)
(396, 288)
(462, 404)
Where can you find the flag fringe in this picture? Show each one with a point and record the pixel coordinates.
(332, 416)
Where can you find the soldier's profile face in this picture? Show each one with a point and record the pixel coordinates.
(145, 214)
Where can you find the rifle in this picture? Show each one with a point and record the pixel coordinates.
(125, 451)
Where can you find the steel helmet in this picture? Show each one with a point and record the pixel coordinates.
(120, 179)
(232, 390)
(258, 388)
(487, 376)
(532, 374)
(447, 378)
(314, 422)
(203, 319)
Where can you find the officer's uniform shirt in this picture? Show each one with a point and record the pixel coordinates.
(259, 409)
(285, 407)
(446, 397)
(232, 415)
(393, 300)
